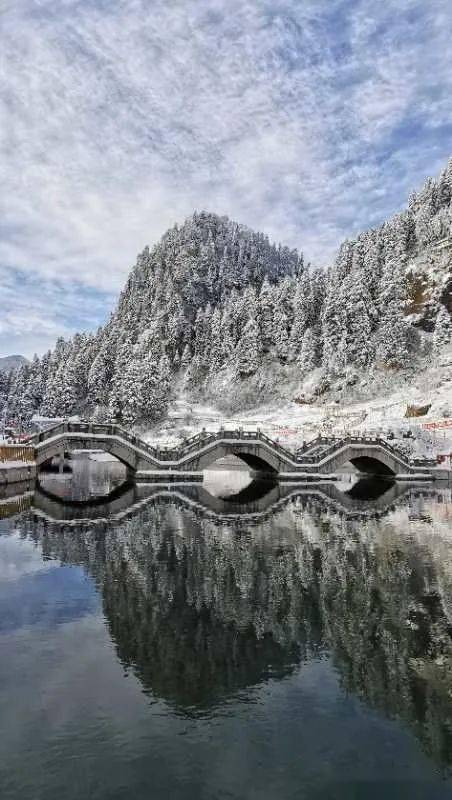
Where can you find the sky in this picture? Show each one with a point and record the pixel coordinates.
(309, 120)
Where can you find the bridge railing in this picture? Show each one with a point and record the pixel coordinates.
(277, 446)
(319, 441)
(61, 427)
(204, 438)
(105, 429)
(342, 442)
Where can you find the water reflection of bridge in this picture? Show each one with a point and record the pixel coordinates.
(257, 501)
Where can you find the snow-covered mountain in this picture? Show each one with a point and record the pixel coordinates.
(8, 363)
(216, 310)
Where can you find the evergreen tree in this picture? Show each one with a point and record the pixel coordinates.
(249, 349)
(308, 355)
(280, 332)
(334, 330)
(443, 330)
(359, 314)
(392, 337)
(151, 391)
(130, 389)
(266, 313)
(216, 350)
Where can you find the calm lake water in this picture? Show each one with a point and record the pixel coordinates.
(250, 643)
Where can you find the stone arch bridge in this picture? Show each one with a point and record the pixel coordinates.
(323, 457)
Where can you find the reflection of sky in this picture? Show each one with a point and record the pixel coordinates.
(18, 557)
(47, 599)
(308, 120)
(36, 592)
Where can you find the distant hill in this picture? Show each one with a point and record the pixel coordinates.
(9, 363)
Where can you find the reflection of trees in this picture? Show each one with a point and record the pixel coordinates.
(199, 610)
(387, 608)
(203, 617)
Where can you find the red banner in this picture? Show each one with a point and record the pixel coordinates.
(436, 426)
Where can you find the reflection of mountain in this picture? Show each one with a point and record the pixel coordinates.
(200, 609)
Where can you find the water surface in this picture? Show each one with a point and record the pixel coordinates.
(188, 649)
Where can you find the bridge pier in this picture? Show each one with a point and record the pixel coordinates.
(131, 474)
(61, 461)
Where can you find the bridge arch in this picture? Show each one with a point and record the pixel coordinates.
(256, 456)
(370, 459)
(130, 456)
(372, 466)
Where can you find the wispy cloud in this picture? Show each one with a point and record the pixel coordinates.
(309, 121)
(35, 310)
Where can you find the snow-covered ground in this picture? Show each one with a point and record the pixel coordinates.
(292, 423)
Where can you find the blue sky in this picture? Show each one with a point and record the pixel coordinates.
(307, 119)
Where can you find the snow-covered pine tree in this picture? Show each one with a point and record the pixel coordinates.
(4, 391)
(226, 335)
(280, 331)
(99, 375)
(151, 404)
(373, 261)
(67, 399)
(296, 333)
(120, 384)
(359, 316)
(392, 339)
(287, 290)
(343, 263)
(444, 193)
(266, 304)
(16, 384)
(334, 329)
(423, 205)
(442, 334)
(34, 390)
(308, 356)
(249, 349)
(130, 389)
(216, 349)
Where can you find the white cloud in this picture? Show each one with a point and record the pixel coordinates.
(309, 121)
(20, 557)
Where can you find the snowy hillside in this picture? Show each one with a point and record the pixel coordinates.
(216, 313)
(292, 423)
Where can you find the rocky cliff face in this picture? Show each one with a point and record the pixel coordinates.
(429, 283)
